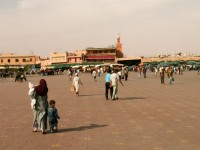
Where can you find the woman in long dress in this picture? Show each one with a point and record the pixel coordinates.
(76, 83)
(41, 105)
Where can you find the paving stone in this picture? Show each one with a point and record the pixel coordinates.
(147, 116)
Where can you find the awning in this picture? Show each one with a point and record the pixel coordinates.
(14, 67)
(101, 57)
(2, 67)
(62, 66)
(77, 66)
(91, 63)
(49, 67)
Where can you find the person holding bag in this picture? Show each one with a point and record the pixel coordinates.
(40, 107)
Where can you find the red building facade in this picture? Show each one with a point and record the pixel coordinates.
(108, 54)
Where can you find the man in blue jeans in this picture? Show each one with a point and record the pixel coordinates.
(107, 84)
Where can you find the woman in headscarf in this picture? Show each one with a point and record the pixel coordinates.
(40, 109)
(76, 83)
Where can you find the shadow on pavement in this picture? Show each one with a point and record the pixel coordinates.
(91, 126)
(131, 98)
(91, 95)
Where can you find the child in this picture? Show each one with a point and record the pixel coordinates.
(53, 116)
(31, 90)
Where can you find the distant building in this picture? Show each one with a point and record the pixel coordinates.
(76, 57)
(100, 54)
(65, 57)
(129, 61)
(43, 61)
(174, 58)
(17, 60)
(107, 54)
(58, 57)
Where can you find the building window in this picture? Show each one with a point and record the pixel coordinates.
(1, 60)
(112, 51)
(23, 60)
(16, 60)
(8, 60)
(30, 59)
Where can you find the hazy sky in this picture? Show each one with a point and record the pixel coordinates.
(146, 27)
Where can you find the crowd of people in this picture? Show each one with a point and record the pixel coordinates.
(43, 109)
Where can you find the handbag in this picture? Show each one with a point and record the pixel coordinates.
(72, 89)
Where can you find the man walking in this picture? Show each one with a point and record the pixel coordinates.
(94, 74)
(114, 78)
(107, 84)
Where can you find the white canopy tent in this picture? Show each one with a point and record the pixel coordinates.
(2, 67)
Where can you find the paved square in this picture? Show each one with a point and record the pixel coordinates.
(147, 116)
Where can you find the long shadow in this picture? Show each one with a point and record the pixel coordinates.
(91, 95)
(131, 98)
(91, 126)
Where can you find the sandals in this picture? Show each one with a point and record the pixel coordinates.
(36, 129)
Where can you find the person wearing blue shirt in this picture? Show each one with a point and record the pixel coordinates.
(107, 84)
(53, 116)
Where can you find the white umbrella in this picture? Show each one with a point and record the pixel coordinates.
(85, 66)
(77, 66)
(2, 67)
(97, 66)
(14, 67)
